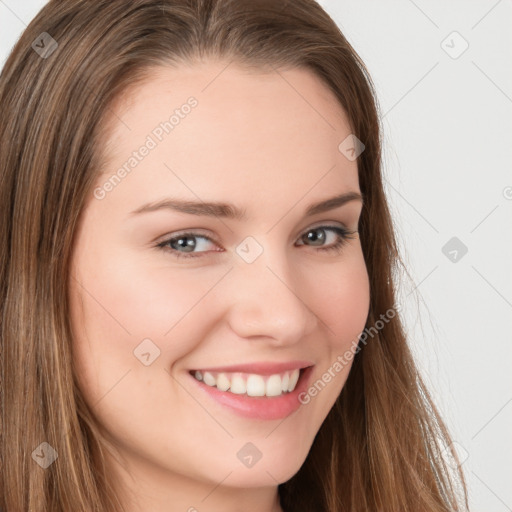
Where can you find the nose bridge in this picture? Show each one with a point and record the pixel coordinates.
(266, 302)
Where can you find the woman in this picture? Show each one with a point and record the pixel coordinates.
(198, 308)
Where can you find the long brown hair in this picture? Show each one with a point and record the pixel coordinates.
(379, 449)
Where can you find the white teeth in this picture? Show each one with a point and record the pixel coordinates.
(284, 382)
(223, 382)
(252, 384)
(274, 386)
(238, 385)
(294, 377)
(209, 379)
(255, 385)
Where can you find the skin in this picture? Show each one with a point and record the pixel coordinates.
(272, 149)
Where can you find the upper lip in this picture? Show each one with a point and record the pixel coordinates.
(261, 368)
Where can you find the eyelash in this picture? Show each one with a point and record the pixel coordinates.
(342, 233)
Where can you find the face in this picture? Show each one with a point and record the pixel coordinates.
(188, 323)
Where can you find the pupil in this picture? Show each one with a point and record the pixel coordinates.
(189, 243)
(312, 237)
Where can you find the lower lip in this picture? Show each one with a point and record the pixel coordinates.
(260, 407)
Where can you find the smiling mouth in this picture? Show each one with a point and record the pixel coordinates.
(251, 384)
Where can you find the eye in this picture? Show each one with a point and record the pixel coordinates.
(185, 241)
(341, 235)
(183, 245)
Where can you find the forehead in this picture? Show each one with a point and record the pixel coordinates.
(217, 130)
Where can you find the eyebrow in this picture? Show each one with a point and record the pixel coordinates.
(230, 211)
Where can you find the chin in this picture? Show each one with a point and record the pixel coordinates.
(277, 468)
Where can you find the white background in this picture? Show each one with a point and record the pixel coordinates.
(447, 162)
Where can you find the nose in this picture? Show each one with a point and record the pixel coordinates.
(266, 301)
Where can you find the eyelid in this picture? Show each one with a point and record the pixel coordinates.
(329, 224)
(325, 224)
(195, 231)
(206, 234)
(342, 231)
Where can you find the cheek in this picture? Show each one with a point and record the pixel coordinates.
(115, 310)
(128, 300)
(341, 296)
(341, 299)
